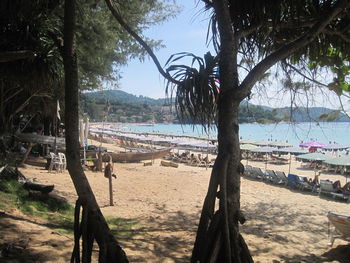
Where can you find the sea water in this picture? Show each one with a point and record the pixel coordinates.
(293, 133)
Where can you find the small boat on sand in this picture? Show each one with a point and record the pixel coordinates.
(131, 157)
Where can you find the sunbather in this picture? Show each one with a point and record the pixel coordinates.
(344, 190)
(316, 180)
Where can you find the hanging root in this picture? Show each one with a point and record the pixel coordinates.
(77, 232)
(92, 228)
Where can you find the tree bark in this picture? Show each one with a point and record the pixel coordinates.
(222, 242)
(110, 250)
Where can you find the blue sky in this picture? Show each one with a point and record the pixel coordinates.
(187, 33)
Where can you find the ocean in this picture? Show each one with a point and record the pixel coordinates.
(331, 132)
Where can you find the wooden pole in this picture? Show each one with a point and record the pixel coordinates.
(110, 190)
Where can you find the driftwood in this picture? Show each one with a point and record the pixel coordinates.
(169, 164)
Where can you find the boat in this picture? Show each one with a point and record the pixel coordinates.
(130, 157)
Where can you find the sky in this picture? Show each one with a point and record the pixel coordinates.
(187, 33)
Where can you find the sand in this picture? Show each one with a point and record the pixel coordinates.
(163, 205)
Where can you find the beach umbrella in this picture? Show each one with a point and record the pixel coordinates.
(335, 147)
(280, 144)
(339, 161)
(246, 142)
(313, 144)
(248, 147)
(261, 143)
(343, 161)
(313, 157)
(317, 157)
(290, 151)
(264, 150)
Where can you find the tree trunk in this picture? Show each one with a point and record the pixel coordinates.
(218, 238)
(93, 222)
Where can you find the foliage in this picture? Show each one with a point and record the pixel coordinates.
(31, 86)
(196, 89)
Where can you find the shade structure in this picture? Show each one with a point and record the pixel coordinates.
(261, 143)
(313, 144)
(279, 144)
(335, 147)
(291, 150)
(339, 161)
(313, 157)
(246, 141)
(248, 147)
(265, 149)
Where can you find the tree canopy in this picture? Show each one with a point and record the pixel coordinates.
(31, 45)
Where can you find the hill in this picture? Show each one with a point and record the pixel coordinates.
(126, 107)
(122, 96)
(312, 114)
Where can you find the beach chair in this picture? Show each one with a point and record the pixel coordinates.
(55, 163)
(248, 170)
(63, 161)
(341, 228)
(326, 187)
(295, 181)
(282, 177)
(272, 177)
(257, 173)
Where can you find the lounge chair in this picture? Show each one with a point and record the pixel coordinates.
(273, 178)
(327, 188)
(257, 173)
(282, 177)
(248, 170)
(295, 181)
(341, 225)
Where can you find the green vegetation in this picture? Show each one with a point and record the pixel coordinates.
(31, 79)
(125, 107)
(128, 108)
(57, 213)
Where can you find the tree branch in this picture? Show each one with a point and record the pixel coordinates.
(306, 77)
(256, 73)
(140, 41)
(337, 33)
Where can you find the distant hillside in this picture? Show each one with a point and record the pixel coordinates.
(248, 112)
(303, 114)
(122, 96)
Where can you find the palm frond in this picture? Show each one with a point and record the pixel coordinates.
(196, 91)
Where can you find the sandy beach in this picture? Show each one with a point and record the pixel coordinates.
(163, 206)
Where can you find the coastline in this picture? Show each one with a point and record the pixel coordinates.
(293, 133)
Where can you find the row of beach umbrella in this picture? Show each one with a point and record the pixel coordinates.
(301, 153)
